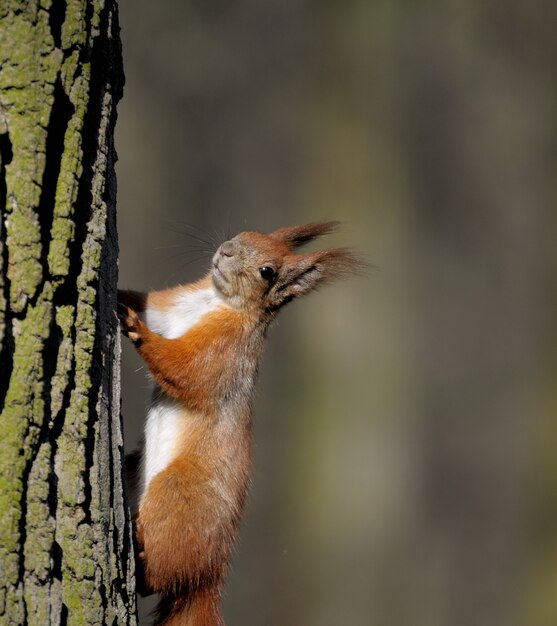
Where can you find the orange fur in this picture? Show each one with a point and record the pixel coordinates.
(198, 608)
(202, 359)
(199, 521)
(189, 513)
(185, 545)
(164, 298)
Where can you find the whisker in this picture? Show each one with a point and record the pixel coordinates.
(196, 248)
(179, 245)
(208, 238)
(222, 234)
(183, 265)
(201, 235)
(195, 238)
(228, 223)
(188, 261)
(172, 252)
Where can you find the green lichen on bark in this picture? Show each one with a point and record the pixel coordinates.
(70, 168)
(65, 537)
(27, 80)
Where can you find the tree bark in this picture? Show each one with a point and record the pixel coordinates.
(65, 536)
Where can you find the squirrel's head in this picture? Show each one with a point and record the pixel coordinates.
(261, 273)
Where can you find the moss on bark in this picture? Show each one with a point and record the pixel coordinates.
(65, 540)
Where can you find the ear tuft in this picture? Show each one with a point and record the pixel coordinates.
(305, 273)
(297, 236)
(340, 263)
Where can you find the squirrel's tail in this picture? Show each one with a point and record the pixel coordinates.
(197, 608)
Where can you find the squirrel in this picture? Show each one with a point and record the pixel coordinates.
(202, 343)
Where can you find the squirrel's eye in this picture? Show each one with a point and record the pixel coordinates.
(267, 273)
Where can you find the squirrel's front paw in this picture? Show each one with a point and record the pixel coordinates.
(131, 324)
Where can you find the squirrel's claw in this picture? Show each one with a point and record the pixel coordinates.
(130, 322)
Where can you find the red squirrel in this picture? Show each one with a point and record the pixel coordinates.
(202, 343)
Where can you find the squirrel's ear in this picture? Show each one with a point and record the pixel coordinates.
(296, 236)
(306, 272)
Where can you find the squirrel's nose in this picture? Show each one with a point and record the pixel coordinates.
(227, 249)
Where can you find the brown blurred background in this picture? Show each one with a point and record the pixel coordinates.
(405, 430)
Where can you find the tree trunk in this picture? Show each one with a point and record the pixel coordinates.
(65, 534)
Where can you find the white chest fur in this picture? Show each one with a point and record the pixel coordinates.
(186, 310)
(167, 421)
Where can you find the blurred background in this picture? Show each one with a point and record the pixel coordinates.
(405, 467)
